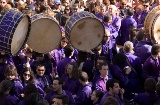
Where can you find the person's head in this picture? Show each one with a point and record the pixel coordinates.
(102, 9)
(33, 98)
(155, 50)
(110, 101)
(101, 59)
(150, 85)
(146, 6)
(112, 86)
(57, 4)
(26, 75)
(72, 70)
(140, 35)
(57, 84)
(63, 42)
(5, 87)
(40, 69)
(123, 4)
(10, 72)
(107, 36)
(130, 11)
(21, 5)
(158, 89)
(59, 100)
(96, 96)
(29, 89)
(39, 56)
(68, 51)
(3, 3)
(103, 69)
(83, 77)
(112, 9)
(128, 47)
(67, 10)
(119, 59)
(75, 8)
(139, 8)
(42, 102)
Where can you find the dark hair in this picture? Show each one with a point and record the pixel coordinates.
(30, 88)
(119, 59)
(11, 69)
(103, 58)
(64, 98)
(158, 89)
(107, 18)
(25, 69)
(5, 86)
(68, 50)
(130, 11)
(82, 57)
(60, 81)
(75, 71)
(110, 83)
(33, 98)
(110, 101)
(150, 85)
(140, 35)
(99, 94)
(155, 49)
(101, 65)
(42, 102)
(83, 76)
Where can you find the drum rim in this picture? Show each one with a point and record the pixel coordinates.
(15, 26)
(76, 23)
(51, 18)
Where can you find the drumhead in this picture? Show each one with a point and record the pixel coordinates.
(45, 35)
(20, 35)
(86, 33)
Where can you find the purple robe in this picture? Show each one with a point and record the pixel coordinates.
(65, 92)
(9, 100)
(142, 50)
(151, 68)
(142, 19)
(62, 64)
(107, 95)
(100, 16)
(70, 84)
(101, 84)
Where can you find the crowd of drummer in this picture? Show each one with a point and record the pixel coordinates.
(106, 75)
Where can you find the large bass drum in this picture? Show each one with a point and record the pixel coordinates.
(14, 31)
(84, 30)
(152, 25)
(45, 33)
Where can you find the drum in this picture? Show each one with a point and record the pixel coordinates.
(45, 33)
(152, 26)
(14, 31)
(84, 30)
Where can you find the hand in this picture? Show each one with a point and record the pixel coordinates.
(127, 69)
(73, 96)
(121, 91)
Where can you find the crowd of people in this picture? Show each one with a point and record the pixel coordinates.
(109, 74)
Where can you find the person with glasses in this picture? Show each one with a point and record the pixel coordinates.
(123, 8)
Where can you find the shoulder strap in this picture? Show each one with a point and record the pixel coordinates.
(130, 65)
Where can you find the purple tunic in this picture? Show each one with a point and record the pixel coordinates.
(70, 84)
(142, 18)
(9, 100)
(101, 84)
(100, 16)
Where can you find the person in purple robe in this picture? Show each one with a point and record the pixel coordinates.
(102, 12)
(5, 97)
(142, 48)
(113, 89)
(96, 97)
(43, 81)
(12, 75)
(127, 24)
(83, 95)
(57, 90)
(101, 82)
(151, 67)
(68, 50)
(70, 78)
(150, 96)
(60, 100)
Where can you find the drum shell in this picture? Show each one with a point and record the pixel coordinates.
(41, 38)
(9, 21)
(81, 33)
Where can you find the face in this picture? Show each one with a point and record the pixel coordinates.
(123, 5)
(103, 10)
(146, 6)
(40, 70)
(75, 9)
(116, 88)
(98, 62)
(93, 96)
(56, 85)
(26, 75)
(138, 9)
(107, 36)
(3, 3)
(69, 69)
(67, 10)
(11, 76)
(112, 11)
(57, 101)
(63, 43)
(104, 71)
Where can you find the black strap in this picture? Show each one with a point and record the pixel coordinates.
(130, 65)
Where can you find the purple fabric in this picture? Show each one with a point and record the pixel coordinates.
(100, 16)
(101, 84)
(116, 22)
(142, 19)
(9, 100)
